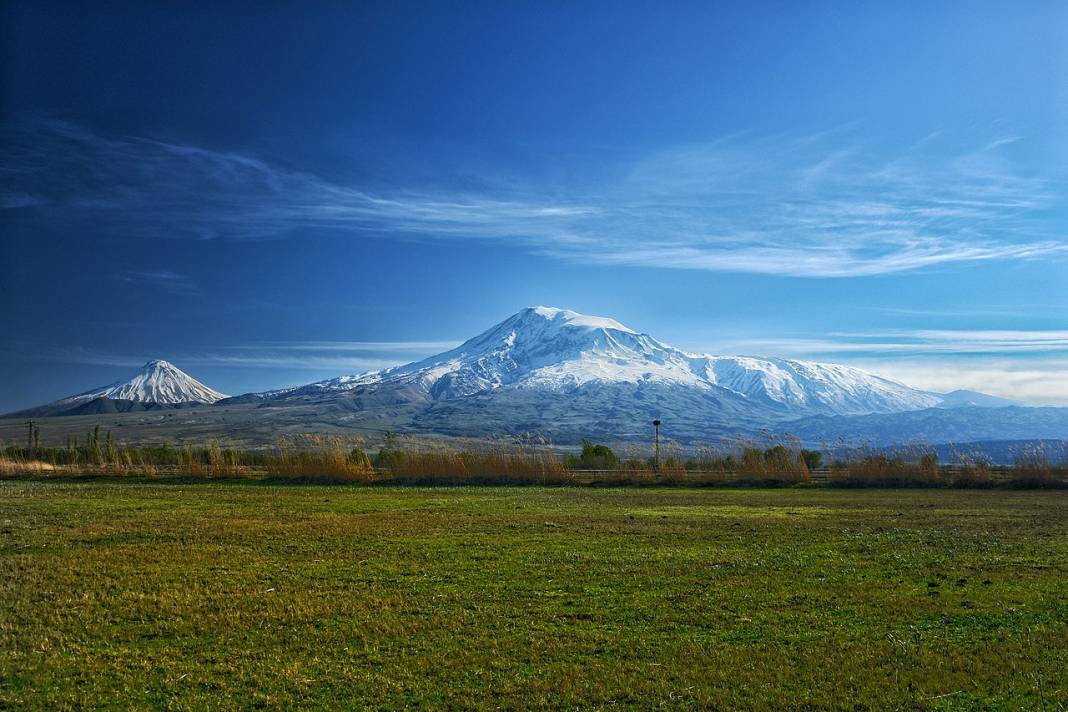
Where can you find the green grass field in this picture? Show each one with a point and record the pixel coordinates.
(253, 595)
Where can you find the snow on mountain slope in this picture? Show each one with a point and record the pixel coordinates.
(158, 383)
(816, 386)
(557, 351)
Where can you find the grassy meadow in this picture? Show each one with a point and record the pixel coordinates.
(243, 594)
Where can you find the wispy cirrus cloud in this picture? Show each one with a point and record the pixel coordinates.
(148, 188)
(165, 280)
(984, 341)
(336, 357)
(975, 311)
(334, 364)
(823, 205)
(1038, 381)
(909, 341)
(356, 346)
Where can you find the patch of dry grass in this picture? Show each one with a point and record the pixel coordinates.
(486, 464)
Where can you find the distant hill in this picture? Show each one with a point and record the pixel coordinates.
(937, 425)
(963, 399)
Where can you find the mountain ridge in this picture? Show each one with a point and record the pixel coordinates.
(558, 350)
(564, 376)
(561, 374)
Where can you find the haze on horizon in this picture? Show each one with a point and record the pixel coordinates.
(272, 198)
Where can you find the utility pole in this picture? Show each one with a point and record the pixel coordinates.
(656, 455)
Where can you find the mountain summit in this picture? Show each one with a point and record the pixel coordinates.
(546, 365)
(159, 383)
(559, 350)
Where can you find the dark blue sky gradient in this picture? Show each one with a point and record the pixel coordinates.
(222, 251)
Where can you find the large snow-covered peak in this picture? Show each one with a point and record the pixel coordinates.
(550, 330)
(554, 350)
(544, 347)
(160, 382)
(572, 319)
(537, 346)
(546, 334)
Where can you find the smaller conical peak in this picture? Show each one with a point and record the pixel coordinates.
(567, 317)
(160, 381)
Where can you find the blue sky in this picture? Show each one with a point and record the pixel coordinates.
(269, 196)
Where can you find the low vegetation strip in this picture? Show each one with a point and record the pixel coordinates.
(312, 458)
(231, 596)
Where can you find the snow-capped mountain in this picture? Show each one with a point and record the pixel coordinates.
(158, 383)
(555, 352)
(566, 376)
(161, 382)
